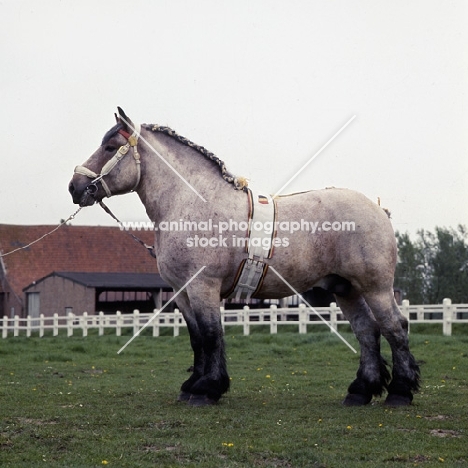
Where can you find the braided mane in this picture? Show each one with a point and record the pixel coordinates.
(238, 182)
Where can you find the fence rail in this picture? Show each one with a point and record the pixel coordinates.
(302, 317)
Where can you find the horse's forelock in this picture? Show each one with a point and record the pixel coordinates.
(111, 133)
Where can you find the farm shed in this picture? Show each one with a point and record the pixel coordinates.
(77, 292)
(72, 249)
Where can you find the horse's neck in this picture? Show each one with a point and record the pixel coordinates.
(185, 182)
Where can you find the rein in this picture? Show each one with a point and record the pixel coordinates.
(72, 216)
(149, 248)
(132, 142)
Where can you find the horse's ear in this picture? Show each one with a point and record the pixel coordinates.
(122, 113)
(123, 119)
(117, 118)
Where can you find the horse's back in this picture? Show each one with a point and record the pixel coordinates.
(338, 204)
(336, 231)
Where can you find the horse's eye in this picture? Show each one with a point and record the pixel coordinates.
(110, 148)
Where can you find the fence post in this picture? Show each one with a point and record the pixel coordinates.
(156, 323)
(70, 324)
(448, 316)
(333, 316)
(136, 321)
(16, 326)
(55, 324)
(405, 311)
(84, 323)
(302, 319)
(176, 322)
(41, 325)
(5, 327)
(28, 326)
(101, 323)
(118, 323)
(246, 318)
(273, 319)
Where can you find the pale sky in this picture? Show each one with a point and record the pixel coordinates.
(261, 83)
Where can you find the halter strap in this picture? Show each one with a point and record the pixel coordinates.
(132, 142)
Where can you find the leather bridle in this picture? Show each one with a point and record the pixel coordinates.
(132, 142)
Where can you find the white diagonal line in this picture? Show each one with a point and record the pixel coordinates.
(169, 165)
(160, 310)
(314, 156)
(313, 310)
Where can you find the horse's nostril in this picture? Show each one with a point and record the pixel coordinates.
(91, 189)
(71, 187)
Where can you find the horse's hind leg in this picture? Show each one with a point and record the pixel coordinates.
(372, 376)
(394, 327)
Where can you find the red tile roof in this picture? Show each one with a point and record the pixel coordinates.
(74, 249)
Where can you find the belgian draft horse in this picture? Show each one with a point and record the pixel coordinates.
(177, 180)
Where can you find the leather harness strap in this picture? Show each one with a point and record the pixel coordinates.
(132, 142)
(253, 269)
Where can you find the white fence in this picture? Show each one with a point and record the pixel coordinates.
(301, 317)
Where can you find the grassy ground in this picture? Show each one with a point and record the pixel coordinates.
(73, 402)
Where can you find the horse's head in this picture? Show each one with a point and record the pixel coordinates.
(113, 169)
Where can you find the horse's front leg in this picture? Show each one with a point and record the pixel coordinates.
(210, 378)
(209, 388)
(198, 368)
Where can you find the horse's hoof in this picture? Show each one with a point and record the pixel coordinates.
(356, 399)
(393, 399)
(184, 396)
(201, 400)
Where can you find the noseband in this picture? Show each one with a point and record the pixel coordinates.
(132, 141)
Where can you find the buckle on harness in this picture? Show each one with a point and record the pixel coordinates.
(123, 150)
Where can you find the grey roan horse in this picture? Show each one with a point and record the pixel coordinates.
(179, 181)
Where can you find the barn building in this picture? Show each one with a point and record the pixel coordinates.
(78, 292)
(77, 269)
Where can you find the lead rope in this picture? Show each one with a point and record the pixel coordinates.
(149, 248)
(45, 235)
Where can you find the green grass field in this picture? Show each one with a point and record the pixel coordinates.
(74, 402)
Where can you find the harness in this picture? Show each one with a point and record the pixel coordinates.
(252, 270)
(132, 142)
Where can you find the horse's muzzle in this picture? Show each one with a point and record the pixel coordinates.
(86, 197)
